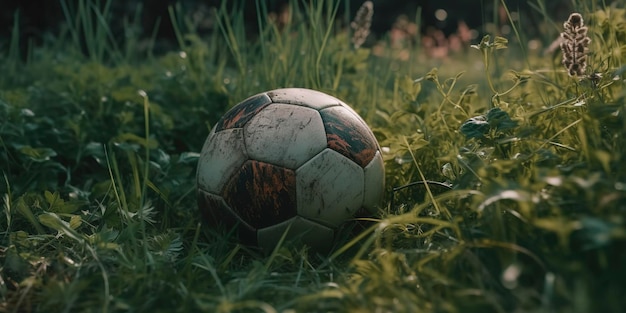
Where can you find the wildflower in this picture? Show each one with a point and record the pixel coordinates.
(574, 45)
(362, 23)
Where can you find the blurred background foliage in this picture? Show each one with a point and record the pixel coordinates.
(39, 21)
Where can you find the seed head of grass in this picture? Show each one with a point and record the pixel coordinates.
(362, 23)
(574, 45)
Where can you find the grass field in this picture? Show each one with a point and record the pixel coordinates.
(99, 140)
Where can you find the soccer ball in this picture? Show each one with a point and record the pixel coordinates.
(294, 161)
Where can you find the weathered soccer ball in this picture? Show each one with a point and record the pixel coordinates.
(289, 160)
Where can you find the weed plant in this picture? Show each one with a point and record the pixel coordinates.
(506, 187)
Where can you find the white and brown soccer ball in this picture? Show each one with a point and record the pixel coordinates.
(294, 160)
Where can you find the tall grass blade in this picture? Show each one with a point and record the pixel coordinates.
(13, 57)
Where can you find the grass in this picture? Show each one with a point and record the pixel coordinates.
(100, 141)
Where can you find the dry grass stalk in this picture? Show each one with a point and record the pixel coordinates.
(574, 45)
(362, 23)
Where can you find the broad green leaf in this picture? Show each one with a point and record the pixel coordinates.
(96, 151)
(409, 87)
(56, 204)
(54, 201)
(479, 126)
(500, 120)
(129, 138)
(38, 154)
(53, 221)
(20, 237)
(162, 159)
(25, 210)
(27, 112)
(75, 221)
(188, 157)
(475, 127)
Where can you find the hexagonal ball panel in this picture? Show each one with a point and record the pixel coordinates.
(285, 135)
(216, 213)
(223, 152)
(300, 231)
(305, 97)
(241, 113)
(262, 194)
(348, 135)
(374, 183)
(329, 188)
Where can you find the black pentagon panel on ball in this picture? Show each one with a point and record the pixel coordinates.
(215, 212)
(262, 194)
(346, 134)
(240, 114)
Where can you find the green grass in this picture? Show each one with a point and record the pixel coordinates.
(99, 142)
